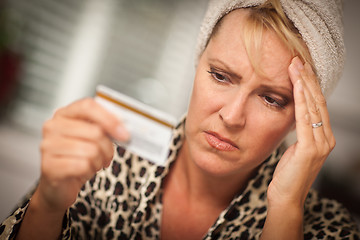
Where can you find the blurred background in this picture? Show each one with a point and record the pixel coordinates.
(54, 52)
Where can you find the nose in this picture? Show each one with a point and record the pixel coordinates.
(233, 112)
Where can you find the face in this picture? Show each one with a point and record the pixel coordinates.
(236, 118)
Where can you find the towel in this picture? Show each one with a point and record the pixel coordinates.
(318, 21)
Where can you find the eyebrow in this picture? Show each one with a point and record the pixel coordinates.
(232, 73)
(276, 87)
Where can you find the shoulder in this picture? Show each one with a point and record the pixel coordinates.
(326, 217)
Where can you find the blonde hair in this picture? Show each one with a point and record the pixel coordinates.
(270, 16)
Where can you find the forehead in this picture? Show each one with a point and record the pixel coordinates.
(236, 44)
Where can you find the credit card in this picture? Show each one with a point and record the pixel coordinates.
(150, 129)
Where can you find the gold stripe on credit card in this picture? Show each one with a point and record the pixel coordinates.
(124, 105)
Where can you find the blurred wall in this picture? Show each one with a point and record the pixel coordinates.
(340, 177)
(68, 47)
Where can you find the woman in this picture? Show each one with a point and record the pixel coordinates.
(228, 175)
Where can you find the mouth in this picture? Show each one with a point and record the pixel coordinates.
(220, 143)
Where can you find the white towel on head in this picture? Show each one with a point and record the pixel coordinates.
(318, 21)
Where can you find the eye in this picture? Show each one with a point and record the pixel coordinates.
(218, 77)
(273, 102)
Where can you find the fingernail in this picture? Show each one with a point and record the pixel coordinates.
(122, 133)
(299, 65)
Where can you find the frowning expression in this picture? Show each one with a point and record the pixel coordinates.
(237, 117)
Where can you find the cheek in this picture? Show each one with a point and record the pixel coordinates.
(203, 99)
(193, 108)
(271, 127)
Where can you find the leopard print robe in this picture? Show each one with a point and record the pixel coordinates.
(124, 201)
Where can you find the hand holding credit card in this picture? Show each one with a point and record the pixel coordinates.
(150, 129)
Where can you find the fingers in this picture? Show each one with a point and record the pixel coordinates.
(310, 105)
(302, 116)
(312, 89)
(320, 101)
(80, 131)
(76, 144)
(99, 154)
(89, 110)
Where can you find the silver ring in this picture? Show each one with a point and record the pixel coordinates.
(316, 125)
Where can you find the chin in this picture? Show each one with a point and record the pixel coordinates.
(214, 165)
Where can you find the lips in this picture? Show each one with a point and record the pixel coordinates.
(220, 143)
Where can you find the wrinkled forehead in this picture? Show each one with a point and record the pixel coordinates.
(235, 44)
(319, 23)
